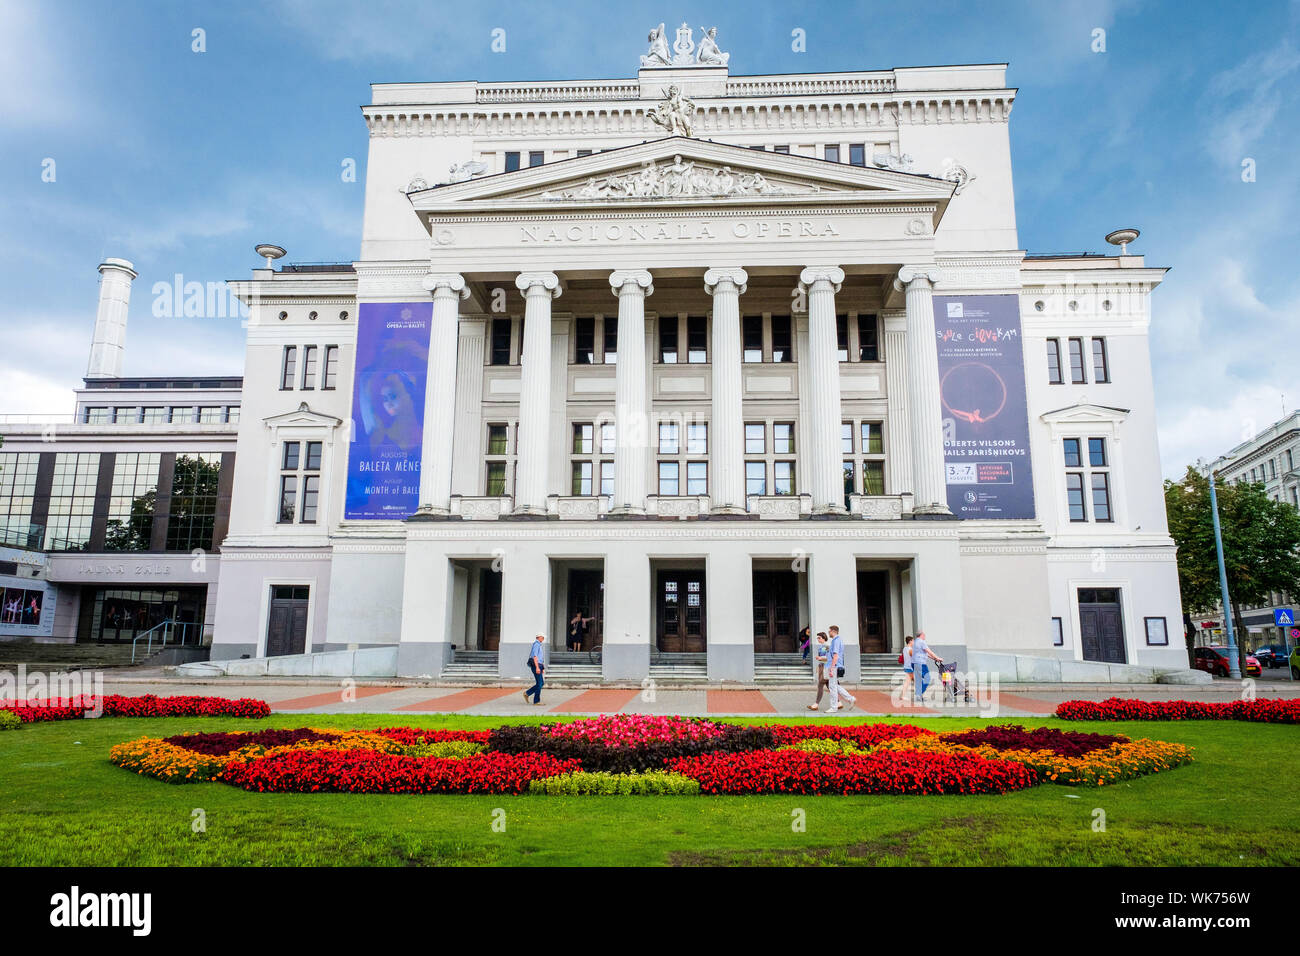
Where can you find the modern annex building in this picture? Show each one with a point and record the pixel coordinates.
(703, 358)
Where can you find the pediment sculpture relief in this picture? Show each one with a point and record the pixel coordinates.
(678, 179)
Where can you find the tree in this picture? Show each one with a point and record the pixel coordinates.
(1261, 546)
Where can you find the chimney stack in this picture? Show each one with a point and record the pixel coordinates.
(109, 341)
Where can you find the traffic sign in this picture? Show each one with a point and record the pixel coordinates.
(1295, 633)
(1283, 617)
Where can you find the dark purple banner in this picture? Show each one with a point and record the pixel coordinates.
(392, 364)
(985, 412)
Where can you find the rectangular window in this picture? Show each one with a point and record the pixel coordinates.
(1054, 362)
(782, 340)
(1100, 496)
(193, 508)
(668, 439)
(783, 438)
(755, 478)
(313, 456)
(755, 438)
(697, 439)
(155, 415)
(1058, 633)
(1100, 368)
(608, 438)
(182, 415)
(1097, 452)
(288, 498)
(611, 339)
(873, 438)
(1074, 496)
(500, 351)
(696, 340)
(842, 337)
(331, 368)
(289, 368)
(309, 367)
(752, 338)
(126, 416)
(849, 477)
(497, 439)
(584, 152)
(99, 416)
(846, 437)
(1290, 461)
(868, 339)
(17, 495)
(583, 437)
(292, 456)
(131, 507)
(72, 501)
(512, 161)
(581, 478)
(857, 154)
(668, 478)
(668, 339)
(782, 477)
(210, 414)
(536, 157)
(607, 478)
(832, 153)
(781, 149)
(584, 340)
(310, 498)
(1077, 376)
(697, 478)
(495, 486)
(1072, 456)
(1272, 467)
(873, 477)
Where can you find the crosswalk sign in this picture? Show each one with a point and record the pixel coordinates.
(1283, 616)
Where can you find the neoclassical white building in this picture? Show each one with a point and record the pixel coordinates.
(702, 358)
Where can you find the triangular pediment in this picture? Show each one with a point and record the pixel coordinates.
(682, 171)
(1085, 412)
(303, 415)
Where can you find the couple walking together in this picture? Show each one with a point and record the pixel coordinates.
(829, 667)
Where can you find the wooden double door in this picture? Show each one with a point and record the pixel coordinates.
(586, 597)
(489, 609)
(1101, 625)
(680, 612)
(286, 631)
(873, 611)
(776, 612)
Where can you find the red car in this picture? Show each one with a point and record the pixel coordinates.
(1214, 661)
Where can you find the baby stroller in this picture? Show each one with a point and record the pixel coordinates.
(954, 688)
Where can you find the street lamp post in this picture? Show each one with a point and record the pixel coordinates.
(1234, 665)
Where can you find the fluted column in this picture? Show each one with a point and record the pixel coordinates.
(631, 418)
(924, 411)
(727, 428)
(440, 393)
(898, 461)
(822, 364)
(539, 288)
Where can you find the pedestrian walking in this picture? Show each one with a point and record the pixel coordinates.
(835, 670)
(819, 670)
(805, 639)
(536, 664)
(906, 658)
(920, 669)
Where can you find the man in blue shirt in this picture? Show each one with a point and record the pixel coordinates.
(921, 670)
(834, 663)
(536, 664)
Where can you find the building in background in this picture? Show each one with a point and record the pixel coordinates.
(705, 358)
(122, 503)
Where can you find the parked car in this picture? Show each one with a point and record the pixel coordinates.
(1215, 662)
(1271, 655)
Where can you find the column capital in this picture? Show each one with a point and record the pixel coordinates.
(621, 279)
(446, 283)
(909, 274)
(736, 276)
(814, 274)
(549, 281)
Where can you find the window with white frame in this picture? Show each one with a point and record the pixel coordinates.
(309, 353)
(592, 458)
(862, 444)
(1054, 376)
(770, 458)
(1100, 362)
(288, 368)
(682, 466)
(300, 467)
(499, 459)
(1087, 479)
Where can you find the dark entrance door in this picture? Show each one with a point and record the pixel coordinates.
(873, 605)
(286, 632)
(489, 609)
(586, 596)
(775, 608)
(1101, 625)
(679, 611)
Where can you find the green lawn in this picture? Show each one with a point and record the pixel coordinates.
(63, 803)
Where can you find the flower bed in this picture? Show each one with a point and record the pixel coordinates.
(670, 756)
(9, 720)
(1116, 708)
(146, 705)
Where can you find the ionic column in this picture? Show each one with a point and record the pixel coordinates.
(727, 429)
(819, 284)
(924, 411)
(440, 393)
(898, 462)
(539, 288)
(631, 418)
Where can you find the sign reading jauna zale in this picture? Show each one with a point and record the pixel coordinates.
(985, 411)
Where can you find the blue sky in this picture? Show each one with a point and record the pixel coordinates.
(181, 161)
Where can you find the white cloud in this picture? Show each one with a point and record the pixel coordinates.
(1242, 103)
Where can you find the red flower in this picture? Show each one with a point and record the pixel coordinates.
(1115, 708)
